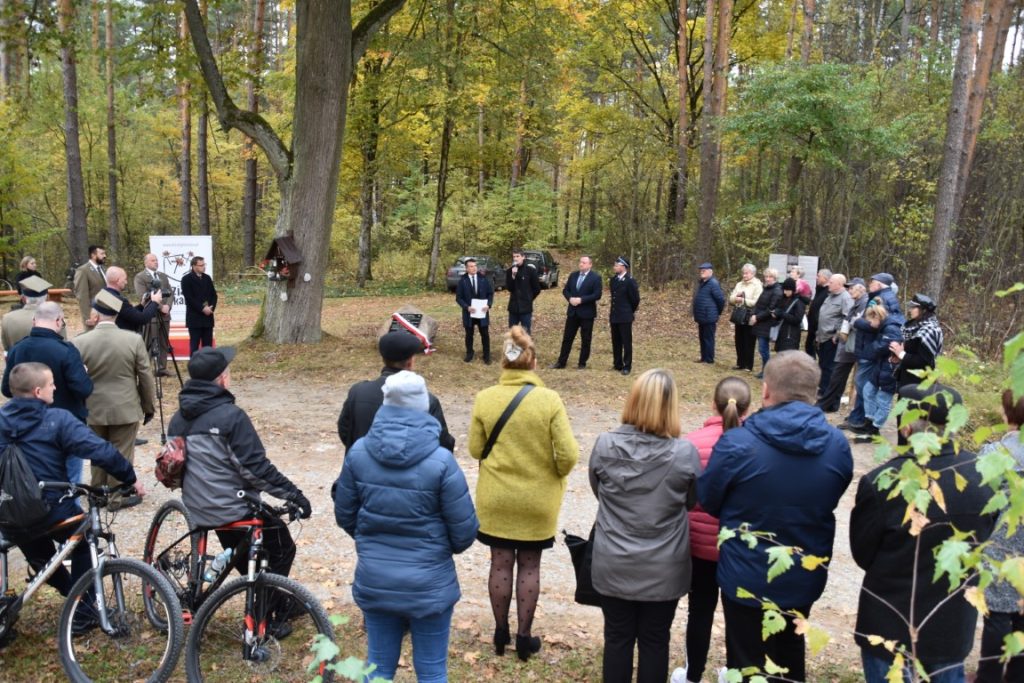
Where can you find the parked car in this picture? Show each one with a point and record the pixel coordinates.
(547, 267)
(487, 267)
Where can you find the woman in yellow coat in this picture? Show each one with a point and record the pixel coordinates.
(521, 484)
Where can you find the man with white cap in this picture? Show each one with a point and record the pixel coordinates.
(625, 296)
(16, 325)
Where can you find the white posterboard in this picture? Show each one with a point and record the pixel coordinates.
(174, 254)
(782, 262)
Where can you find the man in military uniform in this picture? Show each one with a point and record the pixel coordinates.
(90, 278)
(148, 281)
(17, 325)
(625, 300)
(124, 390)
(398, 349)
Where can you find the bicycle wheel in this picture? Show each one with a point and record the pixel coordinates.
(135, 650)
(272, 643)
(169, 553)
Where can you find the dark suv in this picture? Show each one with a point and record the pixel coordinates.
(547, 267)
(487, 267)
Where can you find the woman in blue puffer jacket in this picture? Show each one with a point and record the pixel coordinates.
(405, 501)
(881, 383)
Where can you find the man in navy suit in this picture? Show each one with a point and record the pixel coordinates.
(474, 286)
(625, 300)
(582, 290)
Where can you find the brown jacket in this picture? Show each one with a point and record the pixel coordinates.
(123, 386)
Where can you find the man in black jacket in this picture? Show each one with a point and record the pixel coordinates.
(625, 296)
(582, 290)
(523, 286)
(896, 548)
(132, 318)
(820, 294)
(398, 349)
(200, 301)
(225, 455)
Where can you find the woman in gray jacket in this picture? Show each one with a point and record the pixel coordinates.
(645, 480)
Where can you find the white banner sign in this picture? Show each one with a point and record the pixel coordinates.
(174, 254)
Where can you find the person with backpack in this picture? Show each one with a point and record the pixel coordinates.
(45, 438)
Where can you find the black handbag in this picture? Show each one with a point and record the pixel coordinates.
(740, 315)
(581, 550)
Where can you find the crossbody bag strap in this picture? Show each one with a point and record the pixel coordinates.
(500, 424)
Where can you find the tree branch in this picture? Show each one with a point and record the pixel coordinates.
(229, 115)
(369, 24)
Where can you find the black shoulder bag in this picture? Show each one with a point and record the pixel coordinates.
(500, 424)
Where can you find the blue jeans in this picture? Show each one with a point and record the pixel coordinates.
(876, 668)
(524, 319)
(764, 348)
(857, 416)
(384, 634)
(877, 403)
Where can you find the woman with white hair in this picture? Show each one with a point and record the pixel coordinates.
(745, 295)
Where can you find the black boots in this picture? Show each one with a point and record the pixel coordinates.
(501, 639)
(526, 646)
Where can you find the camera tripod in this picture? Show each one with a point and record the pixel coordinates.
(154, 353)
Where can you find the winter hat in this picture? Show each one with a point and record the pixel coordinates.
(884, 278)
(937, 400)
(789, 285)
(406, 389)
(399, 346)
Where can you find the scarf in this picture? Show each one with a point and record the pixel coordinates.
(928, 331)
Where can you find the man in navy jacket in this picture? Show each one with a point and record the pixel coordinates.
(625, 295)
(781, 473)
(708, 304)
(582, 290)
(471, 286)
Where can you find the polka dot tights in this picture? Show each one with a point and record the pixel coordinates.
(499, 585)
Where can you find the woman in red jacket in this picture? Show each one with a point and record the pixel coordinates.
(731, 402)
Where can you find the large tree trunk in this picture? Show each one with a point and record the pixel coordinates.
(956, 119)
(251, 190)
(185, 164)
(683, 123)
(442, 200)
(986, 62)
(518, 149)
(807, 35)
(203, 157)
(327, 46)
(113, 241)
(717, 79)
(78, 236)
(370, 137)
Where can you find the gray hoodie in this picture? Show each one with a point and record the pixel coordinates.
(644, 485)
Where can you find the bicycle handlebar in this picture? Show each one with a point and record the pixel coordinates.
(85, 489)
(258, 505)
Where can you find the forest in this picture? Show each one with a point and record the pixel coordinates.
(392, 136)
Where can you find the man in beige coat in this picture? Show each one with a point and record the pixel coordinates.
(146, 282)
(124, 390)
(90, 278)
(17, 324)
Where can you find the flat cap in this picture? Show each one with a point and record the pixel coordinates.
(884, 278)
(705, 266)
(398, 346)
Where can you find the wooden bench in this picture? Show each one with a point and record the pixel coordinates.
(55, 294)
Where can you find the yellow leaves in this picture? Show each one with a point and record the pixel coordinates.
(937, 495)
(817, 638)
(976, 597)
(917, 520)
(812, 562)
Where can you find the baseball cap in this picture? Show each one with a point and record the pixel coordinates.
(209, 363)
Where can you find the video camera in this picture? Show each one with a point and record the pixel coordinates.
(156, 286)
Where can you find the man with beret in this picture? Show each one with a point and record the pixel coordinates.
(582, 290)
(398, 350)
(896, 547)
(625, 300)
(124, 391)
(17, 325)
(133, 318)
(225, 455)
(708, 304)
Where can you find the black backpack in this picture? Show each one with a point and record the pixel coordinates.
(22, 507)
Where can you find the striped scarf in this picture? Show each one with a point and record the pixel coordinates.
(928, 331)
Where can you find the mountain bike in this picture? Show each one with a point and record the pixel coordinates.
(259, 626)
(106, 629)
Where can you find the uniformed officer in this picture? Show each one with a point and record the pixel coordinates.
(625, 300)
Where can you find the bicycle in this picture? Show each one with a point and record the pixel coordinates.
(106, 631)
(238, 627)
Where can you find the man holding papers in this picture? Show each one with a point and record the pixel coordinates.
(475, 295)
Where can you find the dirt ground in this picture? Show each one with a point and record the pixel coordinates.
(294, 395)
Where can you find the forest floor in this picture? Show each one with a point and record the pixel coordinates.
(294, 394)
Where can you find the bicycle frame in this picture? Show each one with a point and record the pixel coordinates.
(88, 530)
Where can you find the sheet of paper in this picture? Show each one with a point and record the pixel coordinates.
(478, 306)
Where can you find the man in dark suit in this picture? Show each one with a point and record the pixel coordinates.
(625, 300)
(474, 286)
(582, 290)
(200, 301)
(146, 282)
(523, 286)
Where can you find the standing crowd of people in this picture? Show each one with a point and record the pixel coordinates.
(702, 515)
